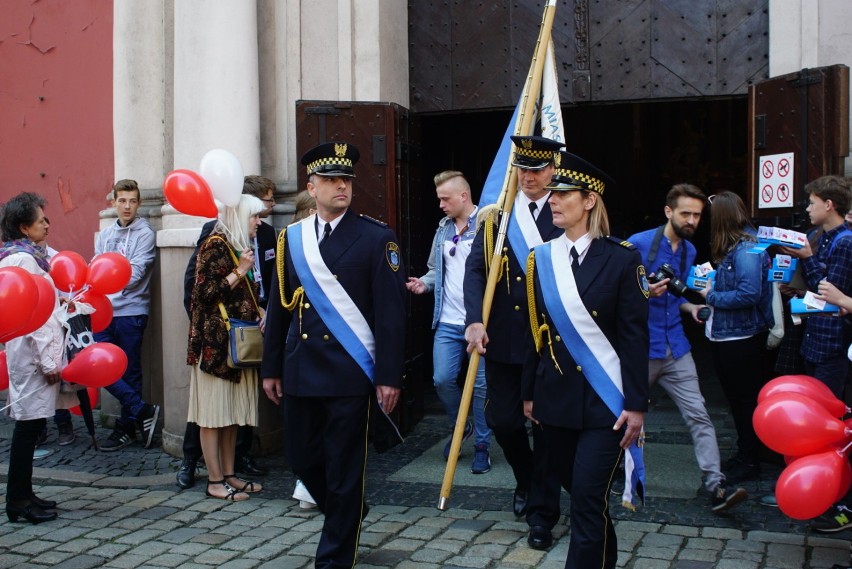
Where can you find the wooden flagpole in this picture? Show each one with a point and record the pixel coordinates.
(529, 97)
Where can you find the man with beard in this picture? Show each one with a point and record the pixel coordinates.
(670, 360)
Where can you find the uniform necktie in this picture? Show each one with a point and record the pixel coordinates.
(575, 260)
(325, 233)
(533, 207)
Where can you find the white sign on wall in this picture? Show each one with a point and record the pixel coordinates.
(775, 183)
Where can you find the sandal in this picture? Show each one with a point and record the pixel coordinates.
(248, 485)
(233, 494)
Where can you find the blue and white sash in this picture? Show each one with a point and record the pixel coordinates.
(522, 233)
(588, 345)
(332, 302)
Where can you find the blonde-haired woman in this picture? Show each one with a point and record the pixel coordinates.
(585, 374)
(222, 398)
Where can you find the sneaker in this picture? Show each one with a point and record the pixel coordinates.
(300, 493)
(837, 518)
(40, 453)
(739, 470)
(146, 422)
(481, 459)
(66, 434)
(117, 440)
(468, 431)
(725, 497)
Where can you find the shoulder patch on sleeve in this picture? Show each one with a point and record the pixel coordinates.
(392, 255)
(626, 244)
(642, 279)
(373, 219)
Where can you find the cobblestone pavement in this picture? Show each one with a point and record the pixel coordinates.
(124, 510)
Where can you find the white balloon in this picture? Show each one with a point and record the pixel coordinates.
(224, 175)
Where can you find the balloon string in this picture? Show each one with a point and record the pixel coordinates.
(18, 400)
(845, 449)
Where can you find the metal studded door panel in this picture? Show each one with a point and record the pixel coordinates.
(475, 55)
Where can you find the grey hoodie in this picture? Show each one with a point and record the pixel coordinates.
(137, 243)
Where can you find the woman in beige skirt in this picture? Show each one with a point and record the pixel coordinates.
(222, 398)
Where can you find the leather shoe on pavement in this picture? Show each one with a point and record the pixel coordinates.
(540, 538)
(246, 465)
(186, 474)
(519, 502)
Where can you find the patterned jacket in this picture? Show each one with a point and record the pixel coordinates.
(208, 338)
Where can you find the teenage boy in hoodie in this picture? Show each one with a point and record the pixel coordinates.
(133, 238)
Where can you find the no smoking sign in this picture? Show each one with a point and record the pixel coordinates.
(776, 181)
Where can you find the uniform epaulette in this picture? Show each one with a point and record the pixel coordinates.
(626, 244)
(373, 219)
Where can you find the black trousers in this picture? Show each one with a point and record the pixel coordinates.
(739, 365)
(192, 441)
(328, 450)
(504, 413)
(585, 462)
(19, 487)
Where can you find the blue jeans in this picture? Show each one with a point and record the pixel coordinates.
(448, 353)
(126, 333)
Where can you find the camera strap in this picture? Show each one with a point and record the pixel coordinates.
(655, 246)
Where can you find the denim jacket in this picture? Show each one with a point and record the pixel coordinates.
(741, 296)
(434, 278)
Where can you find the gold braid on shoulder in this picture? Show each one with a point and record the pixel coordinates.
(488, 223)
(280, 263)
(538, 330)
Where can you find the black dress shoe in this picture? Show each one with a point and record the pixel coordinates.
(43, 504)
(519, 502)
(540, 538)
(246, 465)
(30, 512)
(186, 474)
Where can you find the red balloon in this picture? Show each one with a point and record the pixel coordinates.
(810, 485)
(792, 424)
(4, 372)
(94, 392)
(108, 273)
(845, 481)
(44, 306)
(18, 299)
(807, 386)
(189, 193)
(68, 271)
(102, 315)
(97, 365)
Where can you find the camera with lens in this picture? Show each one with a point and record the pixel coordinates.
(675, 286)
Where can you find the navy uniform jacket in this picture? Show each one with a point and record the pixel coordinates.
(303, 352)
(509, 316)
(610, 287)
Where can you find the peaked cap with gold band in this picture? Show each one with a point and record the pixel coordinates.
(534, 152)
(332, 159)
(574, 173)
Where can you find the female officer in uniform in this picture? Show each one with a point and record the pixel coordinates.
(585, 377)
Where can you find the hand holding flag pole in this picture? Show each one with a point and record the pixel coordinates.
(524, 116)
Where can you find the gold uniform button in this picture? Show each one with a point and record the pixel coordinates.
(579, 368)
(325, 337)
(558, 339)
(518, 279)
(517, 308)
(307, 305)
(304, 336)
(594, 313)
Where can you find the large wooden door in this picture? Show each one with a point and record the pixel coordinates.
(805, 113)
(386, 188)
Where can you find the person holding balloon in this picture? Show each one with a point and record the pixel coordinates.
(222, 398)
(133, 238)
(34, 348)
(741, 301)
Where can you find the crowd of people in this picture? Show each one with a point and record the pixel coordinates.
(603, 319)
